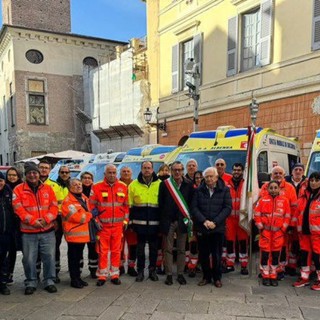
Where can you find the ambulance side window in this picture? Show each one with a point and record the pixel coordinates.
(262, 161)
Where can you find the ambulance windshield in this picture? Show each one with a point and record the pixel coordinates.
(314, 164)
(207, 159)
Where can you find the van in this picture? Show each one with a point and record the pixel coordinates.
(230, 144)
(156, 153)
(313, 163)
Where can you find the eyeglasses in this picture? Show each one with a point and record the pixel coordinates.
(219, 164)
(178, 170)
(64, 172)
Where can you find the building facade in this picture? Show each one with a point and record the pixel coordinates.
(42, 66)
(243, 49)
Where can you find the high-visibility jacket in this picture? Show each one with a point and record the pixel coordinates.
(272, 213)
(289, 191)
(111, 201)
(60, 191)
(75, 219)
(30, 206)
(236, 197)
(144, 208)
(314, 212)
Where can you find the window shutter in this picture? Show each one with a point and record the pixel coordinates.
(197, 52)
(266, 31)
(316, 25)
(232, 46)
(175, 68)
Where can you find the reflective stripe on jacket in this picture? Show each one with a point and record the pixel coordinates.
(111, 202)
(30, 206)
(236, 197)
(75, 219)
(272, 213)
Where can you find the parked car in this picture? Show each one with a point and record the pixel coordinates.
(4, 169)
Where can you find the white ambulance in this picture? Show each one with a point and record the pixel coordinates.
(313, 163)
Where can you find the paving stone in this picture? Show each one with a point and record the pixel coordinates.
(50, 311)
(126, 299)
(310, 313)
(145, 306)
(167, 315)
(76, 318)
(281, 290)
(168, 293)
(250, 318)
(236, 309)
(183, 306)
(19, 311)
(136, 316)
(302, 301)
(291, 312)
(267, 299)
(215, 296)
(89, 306)
(113, 312)
(209, 317)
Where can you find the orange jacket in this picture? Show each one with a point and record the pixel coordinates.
(111, 202)
(314, 212)
(272, 213)
(226, 177)
(30, 206)
(287, 190)
(236, 197)
(75, 219)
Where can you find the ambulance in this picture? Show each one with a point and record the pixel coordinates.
(156, 153)
(313, 163)
(230, 144)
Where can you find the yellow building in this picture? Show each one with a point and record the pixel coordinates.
(266, 49)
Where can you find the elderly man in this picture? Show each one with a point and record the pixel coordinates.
(109, 202)
(36, 205)
(289, 191)
(221, 166)
(174, 192)
(192, 167)
(144, 215)
(211, 205)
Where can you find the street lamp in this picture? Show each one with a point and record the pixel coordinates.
(159, 126)
(254, 108)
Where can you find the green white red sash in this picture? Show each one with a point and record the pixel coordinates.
(180, 202)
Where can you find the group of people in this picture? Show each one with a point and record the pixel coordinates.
(195, 212)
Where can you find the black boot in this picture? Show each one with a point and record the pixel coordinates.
(4, 289)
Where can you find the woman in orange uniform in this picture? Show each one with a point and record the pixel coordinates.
(272, 218)
(309, 231)
(75, 219)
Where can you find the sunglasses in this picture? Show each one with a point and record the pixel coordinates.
(64, 172)
(219, 164)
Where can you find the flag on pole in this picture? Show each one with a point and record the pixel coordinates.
(250, 189)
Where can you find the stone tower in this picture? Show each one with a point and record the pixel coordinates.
(50, 15)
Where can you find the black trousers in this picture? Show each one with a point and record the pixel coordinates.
(75, 259)
(211, 244)
(59, 235)
(153, 251)
(4, 262)
(92, 257)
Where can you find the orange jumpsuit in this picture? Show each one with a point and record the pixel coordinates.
(234, 231)
(112, 204)
(287, 190)
(272, 217)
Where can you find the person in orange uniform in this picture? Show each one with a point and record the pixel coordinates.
(221, 166)
(75, 218)
(109, 202)
(309, 231)
(234, 232)
(272, 217)
(36, 205)
(287, 190)
(130, 236)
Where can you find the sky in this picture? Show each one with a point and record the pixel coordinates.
(111, 19)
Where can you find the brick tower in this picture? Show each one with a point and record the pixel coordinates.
(50, 15)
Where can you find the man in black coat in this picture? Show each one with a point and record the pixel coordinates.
(211, 205)
(173, 191)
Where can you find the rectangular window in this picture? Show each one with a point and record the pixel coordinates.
(5, 114)
(186, 53)
(36, 101)
(251, 46)
(250, 40)
(11, 106)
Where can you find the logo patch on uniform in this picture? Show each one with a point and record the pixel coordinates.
(46, 195)
(104, 194)
(280, 204)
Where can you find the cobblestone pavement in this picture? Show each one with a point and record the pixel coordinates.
(240, 298)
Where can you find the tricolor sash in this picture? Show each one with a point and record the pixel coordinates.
(180, 202)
